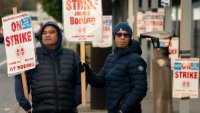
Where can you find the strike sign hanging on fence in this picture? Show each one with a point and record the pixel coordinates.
(186, 78)
(19, 43)
(106, 40)
(82, 20)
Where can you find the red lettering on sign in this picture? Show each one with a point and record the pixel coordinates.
(192, 75)
(16, 26)
(18, 38)
(25, 66)
(173, 51)
(186, 66)
(82, 21)
(80, 4)
(12, 68)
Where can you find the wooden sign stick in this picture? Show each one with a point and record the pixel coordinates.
(23, 75)
(83, 78)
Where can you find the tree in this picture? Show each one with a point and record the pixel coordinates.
(29, 5)
(7, 5)
(53, 8)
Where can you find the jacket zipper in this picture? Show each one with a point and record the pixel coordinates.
(55, 84)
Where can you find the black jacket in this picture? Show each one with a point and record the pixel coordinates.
(124, 77)
(55, 82)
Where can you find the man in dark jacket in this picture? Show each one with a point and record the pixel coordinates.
(123, 74)
(55, 82)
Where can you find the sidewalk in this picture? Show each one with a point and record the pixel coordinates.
(17, 109)
(147, 106)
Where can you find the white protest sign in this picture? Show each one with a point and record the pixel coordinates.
(141, 23)
(186, 78)
(82, 20)
(173, 48)
(154, 21)
(106, 40)
(19, 43)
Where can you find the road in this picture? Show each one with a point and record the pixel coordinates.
(7, 98)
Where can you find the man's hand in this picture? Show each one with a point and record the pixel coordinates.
(29, 111)
(82, 68)
(120, 111)
(87, 69)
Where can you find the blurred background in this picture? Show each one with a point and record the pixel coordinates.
(121, 10)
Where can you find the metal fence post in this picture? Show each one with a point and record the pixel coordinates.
(162, 88)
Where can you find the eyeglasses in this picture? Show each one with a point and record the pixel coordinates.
(126, 35)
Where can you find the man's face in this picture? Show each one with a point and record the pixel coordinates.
(122, 39)
(50, 37)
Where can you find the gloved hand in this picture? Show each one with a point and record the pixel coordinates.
(87, 69)
(82, 68)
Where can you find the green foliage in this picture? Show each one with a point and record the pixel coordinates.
(7, 5)
(53, 8)
(29, 5)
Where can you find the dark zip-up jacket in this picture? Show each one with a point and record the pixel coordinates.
(124, 77)
(55, 82)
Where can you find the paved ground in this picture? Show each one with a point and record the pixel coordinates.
(147, 106)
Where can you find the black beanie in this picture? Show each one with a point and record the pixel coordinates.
(124, 26)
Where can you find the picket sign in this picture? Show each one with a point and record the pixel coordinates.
(82, 23)
(83, 77)
(23, 75)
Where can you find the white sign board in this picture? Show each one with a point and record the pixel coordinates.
(82, 20)
(106, 40)
(141, 23)
(173, 48)
(186, 78)
(150, 21)
(19, 43)
(154, 21)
